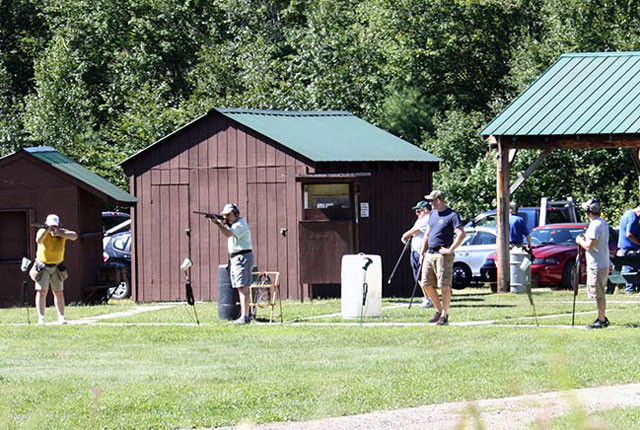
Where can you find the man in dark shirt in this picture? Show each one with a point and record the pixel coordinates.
(437, 254)
(518, 230)
(629, 241)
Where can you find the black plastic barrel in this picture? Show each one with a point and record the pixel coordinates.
(228, 302)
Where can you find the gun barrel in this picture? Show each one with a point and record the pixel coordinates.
(209, 215)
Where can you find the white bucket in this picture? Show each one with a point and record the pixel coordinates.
(353, 277)
(520, 270)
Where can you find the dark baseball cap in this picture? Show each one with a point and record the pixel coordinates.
(420, 205)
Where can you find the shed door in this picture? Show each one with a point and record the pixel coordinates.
(326, 231)
(15, 241)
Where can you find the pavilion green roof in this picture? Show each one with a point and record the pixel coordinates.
(580, 94)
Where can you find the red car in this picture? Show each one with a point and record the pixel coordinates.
(554, 250)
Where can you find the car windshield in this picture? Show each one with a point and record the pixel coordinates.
(468, 238)
(557, 236)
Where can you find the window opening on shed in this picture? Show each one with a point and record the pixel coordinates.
(324, 196)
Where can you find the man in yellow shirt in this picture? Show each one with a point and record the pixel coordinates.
(48, 268)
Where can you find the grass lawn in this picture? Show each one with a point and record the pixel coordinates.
(164, 377)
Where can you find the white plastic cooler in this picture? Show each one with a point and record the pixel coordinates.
(353, 276)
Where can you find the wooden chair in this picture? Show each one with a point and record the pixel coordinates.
(264, 292)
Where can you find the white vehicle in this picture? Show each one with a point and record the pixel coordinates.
(478, 243)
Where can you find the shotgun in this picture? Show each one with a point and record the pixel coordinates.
(210, 215)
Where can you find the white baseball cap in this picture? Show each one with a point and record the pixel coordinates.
(230, 207)
(52, 220)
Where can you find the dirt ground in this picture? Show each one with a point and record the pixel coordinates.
(520, 412)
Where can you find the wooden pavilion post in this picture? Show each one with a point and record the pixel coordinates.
(502, 221)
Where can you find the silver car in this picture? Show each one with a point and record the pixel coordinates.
(478, 243)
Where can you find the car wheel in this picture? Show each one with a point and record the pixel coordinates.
(568, 274)
(122, 291)
(461, 276)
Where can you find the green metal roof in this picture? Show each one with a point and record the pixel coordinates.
(580, 94)
(75, 170)
(329, 135)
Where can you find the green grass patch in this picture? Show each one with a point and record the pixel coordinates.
(618, 418)
(72, 312)
(141, 377)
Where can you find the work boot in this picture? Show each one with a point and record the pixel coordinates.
(436, 317)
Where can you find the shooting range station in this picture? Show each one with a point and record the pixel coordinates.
(313, 186)
(35, 182)
(583, 101)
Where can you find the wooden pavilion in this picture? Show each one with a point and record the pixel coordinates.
(583, 101)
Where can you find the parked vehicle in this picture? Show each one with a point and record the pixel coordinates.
(112, 219)
(549, 212)
(554, 250)
(117, 252)
(470, 255)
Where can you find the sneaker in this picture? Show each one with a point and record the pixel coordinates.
(426, 303)
(40, 321)
(241, 320)
(443, 320)
(435, 318)
(598, 324)
(62, 320)
(605, 323)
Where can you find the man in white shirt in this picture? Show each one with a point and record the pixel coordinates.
(416, 235)
(241, 259)
(596, 243)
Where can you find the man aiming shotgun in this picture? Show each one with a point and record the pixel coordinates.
(48, 269)
(241, 260)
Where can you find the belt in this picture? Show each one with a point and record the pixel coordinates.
(516, 243)
(433, 250)
(46, 264)
(244, 251)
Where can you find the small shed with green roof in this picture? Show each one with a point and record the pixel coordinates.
(582, 101)
(38, 181)
(312, 185)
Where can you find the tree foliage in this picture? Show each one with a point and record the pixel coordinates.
(101, 79)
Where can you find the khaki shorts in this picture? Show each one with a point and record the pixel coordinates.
(48, 276)
(437, 270)
(597, 283)
(240, 269)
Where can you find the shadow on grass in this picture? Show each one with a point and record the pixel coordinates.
(636, 325)
(467, 299)
(481, 306)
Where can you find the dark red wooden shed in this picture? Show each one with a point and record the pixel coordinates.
(312, 185)
(35, 182)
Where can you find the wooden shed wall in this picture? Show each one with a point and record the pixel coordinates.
(216, 160)
(26, 184)
(391, 191)
(202, 167)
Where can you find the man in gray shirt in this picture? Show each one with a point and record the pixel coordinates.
(595, 241)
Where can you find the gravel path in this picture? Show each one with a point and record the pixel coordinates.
(508, 413)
